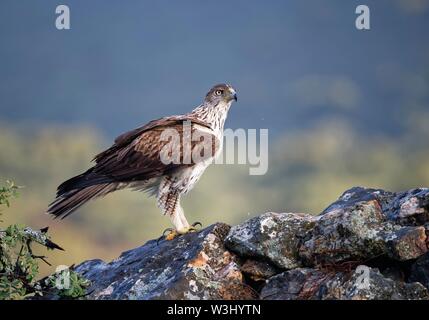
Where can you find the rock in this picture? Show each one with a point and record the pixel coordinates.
(362, 225)
(362, 284)
(369, 244)
(369, 284)
(352, 233)
(258, 270)
(359, 194)
(291, 285)
(194, 266)
(410, 207)
(408, 243)
(361, 232)
(407, 208)
(420, 270)
(271, 236)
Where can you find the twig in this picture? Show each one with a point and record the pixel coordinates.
(37, 236)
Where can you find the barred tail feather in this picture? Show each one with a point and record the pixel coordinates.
(68, 202)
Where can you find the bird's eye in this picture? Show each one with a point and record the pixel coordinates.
(218, 92)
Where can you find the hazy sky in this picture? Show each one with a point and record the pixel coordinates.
(293, 63)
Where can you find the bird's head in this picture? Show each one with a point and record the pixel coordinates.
(221, 93)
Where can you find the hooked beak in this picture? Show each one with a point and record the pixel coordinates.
(233, 94)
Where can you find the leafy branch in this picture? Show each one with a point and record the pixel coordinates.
(19, 265)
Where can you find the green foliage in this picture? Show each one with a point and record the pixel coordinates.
(7, 192)
(75, 286)
(19, 267)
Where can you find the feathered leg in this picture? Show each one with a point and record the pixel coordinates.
(179, 220)
(169, 203)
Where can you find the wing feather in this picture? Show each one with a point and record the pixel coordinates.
(136, 154)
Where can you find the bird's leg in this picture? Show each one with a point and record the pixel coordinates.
(180, 223)
(192, 227)
(184, 230)
(169, 203)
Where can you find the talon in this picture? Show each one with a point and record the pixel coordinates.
(190, 229)
(172, 233)
(197, 224)
(169, 236)
(166, 230)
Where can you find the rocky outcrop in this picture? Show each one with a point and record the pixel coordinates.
(194, 266)
(369, 244)
(308, 283)
(275, 237)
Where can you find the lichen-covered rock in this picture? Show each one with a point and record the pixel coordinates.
(363, 283)
(361, 225)
(271, 236)
(353, 233)
(410, 207)
(406, 208)
(369, 244)
(407, 243)
(193, 266)
(360, 194)
(370, 284)
(364, 224)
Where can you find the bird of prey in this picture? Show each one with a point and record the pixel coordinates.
(135, 161)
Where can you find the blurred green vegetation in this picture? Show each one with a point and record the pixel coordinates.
(307, 171)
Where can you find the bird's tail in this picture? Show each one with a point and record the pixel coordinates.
(77, 191)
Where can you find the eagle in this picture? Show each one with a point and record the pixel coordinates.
(139, 160)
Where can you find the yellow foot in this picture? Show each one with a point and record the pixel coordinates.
(170, 233)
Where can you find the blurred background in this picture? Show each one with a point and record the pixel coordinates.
(343, 107)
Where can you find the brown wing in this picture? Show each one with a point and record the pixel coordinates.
(136, 154)
(162, 122)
